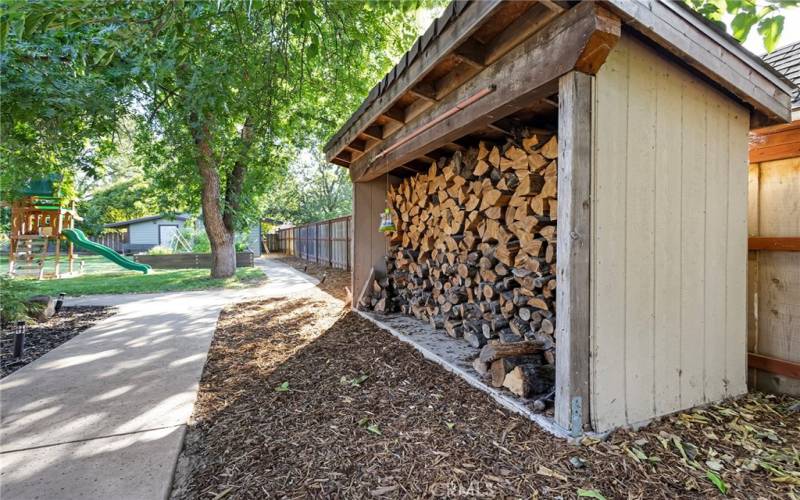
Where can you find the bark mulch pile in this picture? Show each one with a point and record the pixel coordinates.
(332, 281)
(40, 338)
(301, 398)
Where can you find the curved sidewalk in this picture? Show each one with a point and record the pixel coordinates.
(103, 415)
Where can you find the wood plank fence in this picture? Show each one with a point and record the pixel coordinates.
(111, 240)
(325, 242)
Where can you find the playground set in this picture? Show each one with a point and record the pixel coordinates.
(39, 216)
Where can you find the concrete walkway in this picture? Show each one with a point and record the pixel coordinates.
(104, 415)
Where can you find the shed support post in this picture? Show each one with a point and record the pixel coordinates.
(573, 247)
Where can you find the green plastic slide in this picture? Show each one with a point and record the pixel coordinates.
(78, 238)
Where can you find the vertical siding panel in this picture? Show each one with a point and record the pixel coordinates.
(693, 176)
(736, 282)
(608, 235)
(668, 226)
(639, 236)
(716, 240)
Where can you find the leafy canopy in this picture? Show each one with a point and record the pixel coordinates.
(228, 87)
(767, 16)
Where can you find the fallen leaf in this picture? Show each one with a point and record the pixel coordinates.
(714, 465)
(718, 482)
(284, 387)
(373, 428)
(545, 471)
(590, 494)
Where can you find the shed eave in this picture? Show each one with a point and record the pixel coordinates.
(672, 27)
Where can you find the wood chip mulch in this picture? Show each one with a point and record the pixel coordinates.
(301, 398)
(40, 338)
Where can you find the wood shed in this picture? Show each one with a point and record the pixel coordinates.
(568, 188)
(773, 297)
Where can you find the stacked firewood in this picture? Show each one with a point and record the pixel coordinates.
(474, 253)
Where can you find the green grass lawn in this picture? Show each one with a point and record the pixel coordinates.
(102, 276)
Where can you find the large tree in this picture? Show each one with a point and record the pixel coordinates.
(223, 91)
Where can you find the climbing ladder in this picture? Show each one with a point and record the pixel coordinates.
(31, 258)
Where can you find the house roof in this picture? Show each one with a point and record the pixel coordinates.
(786, 60)
(469, 37)
(146, 219)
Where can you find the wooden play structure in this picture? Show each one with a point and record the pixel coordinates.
(36, 221)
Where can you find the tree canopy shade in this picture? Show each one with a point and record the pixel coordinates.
(223, 91)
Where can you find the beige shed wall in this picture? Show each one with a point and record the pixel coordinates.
(369, 245)
(669, 240)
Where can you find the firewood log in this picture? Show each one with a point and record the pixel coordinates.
(529, 379)
(494, 351)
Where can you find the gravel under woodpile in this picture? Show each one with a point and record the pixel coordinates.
(300, 398)
(41, 338)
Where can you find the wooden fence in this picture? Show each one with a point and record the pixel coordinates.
(326, 242)
(190, 260)
(111, 240)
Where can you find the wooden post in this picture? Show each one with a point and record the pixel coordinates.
(57, 236)
(70, 248)
(574, 243)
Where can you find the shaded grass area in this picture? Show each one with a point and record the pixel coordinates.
(91, 264)
(159, 280)
(302, 399)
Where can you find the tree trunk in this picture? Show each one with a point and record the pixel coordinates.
(221, 237)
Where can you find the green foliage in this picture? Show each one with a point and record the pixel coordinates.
(222, 93)
(315, 190)
(128, 199)
(160, 250)
(13, 296)
(58, 113)
(767, 16)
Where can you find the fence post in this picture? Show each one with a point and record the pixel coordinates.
(330, 244)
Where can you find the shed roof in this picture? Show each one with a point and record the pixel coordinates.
(786, 60)
(146, 219)
(470, 37)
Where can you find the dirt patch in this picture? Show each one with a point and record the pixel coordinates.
(300, 399)
(332, 281)
(43, 337)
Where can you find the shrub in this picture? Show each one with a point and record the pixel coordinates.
(159, 250)
(13, 300)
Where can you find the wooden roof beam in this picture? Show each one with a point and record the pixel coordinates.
(395, 114)
(471, 17)
(538, 62)
(473, 53)
(526, 25)
(374, 132)
(358, 145)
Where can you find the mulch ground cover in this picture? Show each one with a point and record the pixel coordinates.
(301, 398)
(40, 338)
(332, 281)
